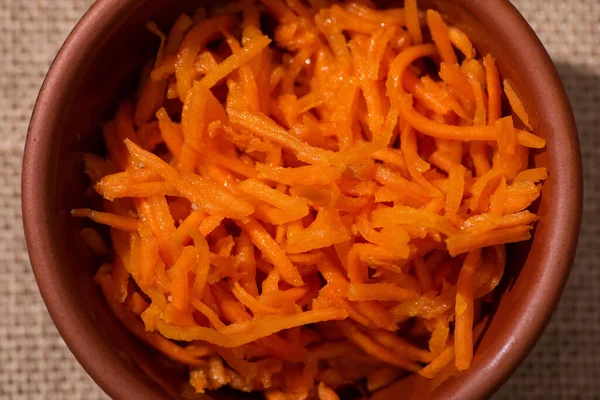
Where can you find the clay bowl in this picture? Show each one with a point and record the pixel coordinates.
(98, 65)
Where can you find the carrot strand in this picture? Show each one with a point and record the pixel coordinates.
(304, 195)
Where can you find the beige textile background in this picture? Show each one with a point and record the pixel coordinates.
(36, 364)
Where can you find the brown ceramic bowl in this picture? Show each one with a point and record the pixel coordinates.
(98, 65)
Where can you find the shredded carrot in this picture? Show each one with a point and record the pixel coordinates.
(265, 243)
(294, 213)
(532, 175)
(413, 25)
(493, 89)
(461, 41)
(243, 332)
(463, 334)
(116, 221)
(516, 104)
(439, 363)
(379, 291)
(441, 37)
(374, 349)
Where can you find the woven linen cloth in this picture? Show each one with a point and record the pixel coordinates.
(36, 364)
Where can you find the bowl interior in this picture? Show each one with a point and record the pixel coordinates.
(98, 66)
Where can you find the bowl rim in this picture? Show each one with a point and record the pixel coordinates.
(90, 348)
(101, 361)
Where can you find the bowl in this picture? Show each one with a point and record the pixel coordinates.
(97, 66)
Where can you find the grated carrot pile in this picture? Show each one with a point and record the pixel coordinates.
(326, 205)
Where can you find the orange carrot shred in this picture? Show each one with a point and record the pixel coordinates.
(441, 37)
(413, 24)
(516, 104)
(463, 335)
(336, 190)
(493, 89)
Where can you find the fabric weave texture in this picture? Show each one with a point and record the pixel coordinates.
(36, 364)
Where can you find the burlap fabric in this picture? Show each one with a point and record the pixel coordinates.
(35, 363)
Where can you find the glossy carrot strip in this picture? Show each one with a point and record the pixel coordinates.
(379, 291)
(251, 302)
(493, 89)
(529, 140)
(479, 155)
(170, 132)
(412, 21)
(265, 193)
(154, 212)
(393, 17)
(335, 38)
(306, 175)
(116, 221)
(516, 104)
(120, 277)
(489, 221)
(267, 128)
(351, 22)
(140, 189)
(149, 259)
(461, 41)
(533, 175)
(247, 264)
(345, 108)
(463, 243)
(463, 334)
(441, 37)
(480, 117)
(440, 130)
(179, 276)
(271, 249)
(457, 80)
(279, 9)
(455, 188)
(439, 363)
(401, 346)
(191, 222)
(196, 39)
(374, 349)
(400, 64)
(200, 107)
(240, 333)
(415, 86)
(389, 178)
(507, 137)
(326, 230)
(180, 27)
(202, 267)
(300, 9)
(403, 215)
(230, 308)
(352, 310)
(208, 313)
(439, 335)
(249, 51)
